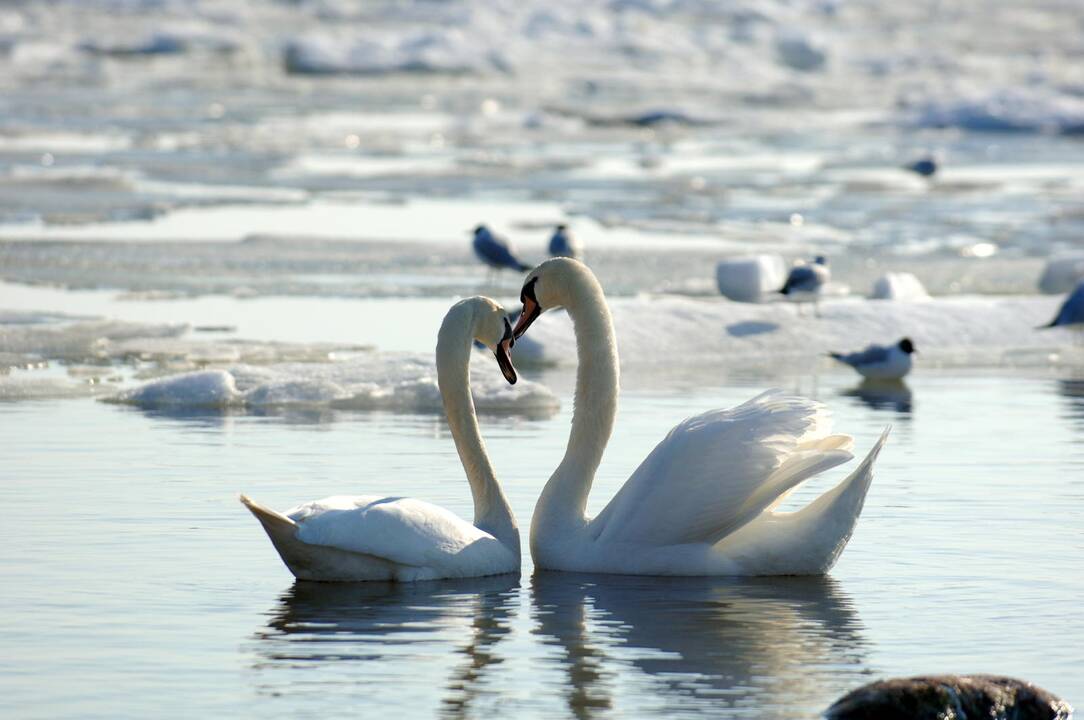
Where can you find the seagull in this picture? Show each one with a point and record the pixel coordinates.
(881, 362)
(495, 251)
(1071, 311)
(807, 280)
(565, 244)
(926, 167)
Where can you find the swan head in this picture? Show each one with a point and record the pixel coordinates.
(491, 327)
(546, 288)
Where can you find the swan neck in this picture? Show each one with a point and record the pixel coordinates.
(492, 512)
(564, 499)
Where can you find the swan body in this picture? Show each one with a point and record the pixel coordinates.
(704, 501)
(880, 362)
(372, 537)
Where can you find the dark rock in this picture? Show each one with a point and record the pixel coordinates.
(940, 697)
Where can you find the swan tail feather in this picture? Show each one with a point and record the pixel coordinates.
(810, 540)
(316, 562)
(829, 521)
(277, 525)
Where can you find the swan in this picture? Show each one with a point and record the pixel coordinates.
(369, 537)
(704, 500)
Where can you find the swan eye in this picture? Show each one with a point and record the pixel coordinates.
(528, 292)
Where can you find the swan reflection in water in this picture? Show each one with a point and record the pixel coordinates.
(713, 646)
(593, 644)
(882, 395)
(363, 637)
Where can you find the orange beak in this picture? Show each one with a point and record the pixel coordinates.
(531, 311)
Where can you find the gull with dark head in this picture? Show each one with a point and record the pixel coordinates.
(880, 362)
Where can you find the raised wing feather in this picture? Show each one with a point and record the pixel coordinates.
(715, 472)
(402, 530)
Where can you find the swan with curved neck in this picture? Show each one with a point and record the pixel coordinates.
(704, 500)
(369, 537)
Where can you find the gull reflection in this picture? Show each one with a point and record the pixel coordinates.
(711, 646)
(352, 630)
(882, 395)
(1072, 390)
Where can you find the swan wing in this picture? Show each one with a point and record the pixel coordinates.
(715, 472)
(403, 530)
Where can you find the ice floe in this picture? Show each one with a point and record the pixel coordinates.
(673, 332)
(378, 381)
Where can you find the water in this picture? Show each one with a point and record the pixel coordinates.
(136, 584)
(279, 195)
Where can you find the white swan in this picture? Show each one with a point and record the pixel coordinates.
(369, 537)
(703, 502)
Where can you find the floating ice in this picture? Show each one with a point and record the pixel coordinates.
(23, 386)
(207, 389)
(434, 51)
(898, 286)
(67, 338)
(377, 381)
(749, 279)
(675, 332)
(1014, 110)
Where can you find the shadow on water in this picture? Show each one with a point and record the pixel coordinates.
(883, 395)
(705, 644)
(368, 626)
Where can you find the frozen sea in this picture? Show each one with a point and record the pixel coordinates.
(229, 231)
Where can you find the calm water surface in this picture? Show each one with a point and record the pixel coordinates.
(136, 585)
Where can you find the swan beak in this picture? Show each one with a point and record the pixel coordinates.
(531, 311)
(504, 359)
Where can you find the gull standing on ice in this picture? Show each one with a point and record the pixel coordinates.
(495, 251)
(806, 281)
(565, 244)
(1071, 311)
(881, 362)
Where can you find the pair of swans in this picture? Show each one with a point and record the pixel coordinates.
(704, 502)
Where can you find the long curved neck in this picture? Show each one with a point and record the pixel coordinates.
(564, 499)
(492, 512)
